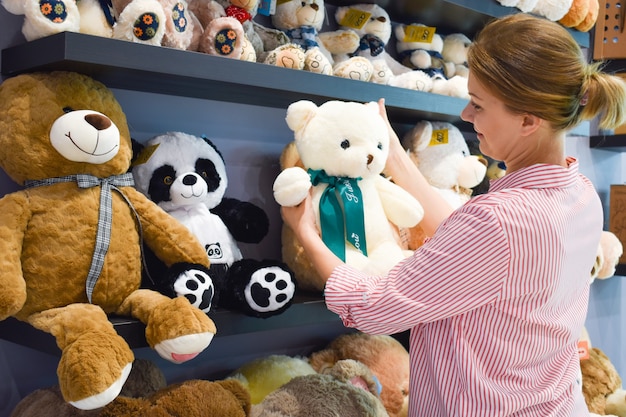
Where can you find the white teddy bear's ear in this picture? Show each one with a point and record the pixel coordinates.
(299, 114)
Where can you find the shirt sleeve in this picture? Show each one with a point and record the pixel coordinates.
(462, 267)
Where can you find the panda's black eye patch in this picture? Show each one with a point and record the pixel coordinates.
(162, 179)
(67, 109)
(206, 169)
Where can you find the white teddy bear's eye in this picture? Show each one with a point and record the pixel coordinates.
(380, 146)
(345, 144)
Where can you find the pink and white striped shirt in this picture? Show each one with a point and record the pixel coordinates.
(495, 300)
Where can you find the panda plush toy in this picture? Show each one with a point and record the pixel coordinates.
(186, 176)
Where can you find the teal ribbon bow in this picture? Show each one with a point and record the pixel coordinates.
(105, 214)
(339, 225)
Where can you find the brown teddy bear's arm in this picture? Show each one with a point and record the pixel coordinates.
(169, 239)
(15, 215)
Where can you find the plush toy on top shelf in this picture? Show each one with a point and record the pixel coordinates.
(302, 22)
(263, 39)
(578, 14)
(347, 389)
(385, 356)
(343, 147)
(44, 18)
(71, 241)
(373, 26)
(186, 176)
(167, 23)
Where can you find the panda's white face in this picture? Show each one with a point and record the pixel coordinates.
(182, 171)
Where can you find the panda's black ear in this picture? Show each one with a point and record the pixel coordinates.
(208, 141)
(137, 148)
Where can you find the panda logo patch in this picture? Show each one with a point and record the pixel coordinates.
(214, 251)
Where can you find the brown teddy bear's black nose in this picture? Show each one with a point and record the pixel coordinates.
(98, 121)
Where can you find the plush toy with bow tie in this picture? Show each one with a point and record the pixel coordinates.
(70, 242)
(343, 147)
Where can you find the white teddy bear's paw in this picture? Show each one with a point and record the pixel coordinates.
(291, 186)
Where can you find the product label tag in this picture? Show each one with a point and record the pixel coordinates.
(283, 1)
(439, 137)
(417, 33)
(267, 7)
(145, 154)
(583, 350)
(355, 18)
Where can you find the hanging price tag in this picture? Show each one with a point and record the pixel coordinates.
(145, 154)
(439, 137)
(417, 33)
(355, 18)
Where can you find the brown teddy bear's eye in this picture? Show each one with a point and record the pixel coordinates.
(345, 144)
(67, 109)
(168, 180)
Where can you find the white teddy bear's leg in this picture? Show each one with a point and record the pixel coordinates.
(44, 18)
(287, 56)
(223, 36)
(315, 61)
(356, 68)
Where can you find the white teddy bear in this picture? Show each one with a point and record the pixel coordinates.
(343, 147)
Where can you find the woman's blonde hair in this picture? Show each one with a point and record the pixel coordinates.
(535, 66)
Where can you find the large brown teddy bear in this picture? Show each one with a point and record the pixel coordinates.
(70, 255)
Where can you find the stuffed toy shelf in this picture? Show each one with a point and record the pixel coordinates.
(307, 309)
(131, 66)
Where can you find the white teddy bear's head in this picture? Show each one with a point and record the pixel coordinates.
(440, 152)
(296, 14)
(345, 139)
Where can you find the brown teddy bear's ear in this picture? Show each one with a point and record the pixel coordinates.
(323, 360)
(239, 391)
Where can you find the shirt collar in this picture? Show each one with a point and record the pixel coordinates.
(539, 176)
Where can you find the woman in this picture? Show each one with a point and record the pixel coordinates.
(496, 298)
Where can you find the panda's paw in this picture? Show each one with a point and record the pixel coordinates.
(197, 286)
(270, 290)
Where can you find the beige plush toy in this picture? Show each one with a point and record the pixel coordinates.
(343, 147)
(70, 242)
(602, 385)
(47, 17)
(347, 389)
(303, 22)
(385, 356)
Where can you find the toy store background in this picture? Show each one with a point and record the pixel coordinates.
(251, 139)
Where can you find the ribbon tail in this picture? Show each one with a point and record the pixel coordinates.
(332, 224)
(355, 219)
(103, 237)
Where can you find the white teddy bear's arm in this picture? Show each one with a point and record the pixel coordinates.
(291, 186)
(401, 208)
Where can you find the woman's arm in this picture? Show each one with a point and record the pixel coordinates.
(403, 172)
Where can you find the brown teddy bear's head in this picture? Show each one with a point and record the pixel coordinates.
(61, 123)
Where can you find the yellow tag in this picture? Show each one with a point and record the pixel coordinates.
(282, 1)
(439, 137)
(145, 154)
(355, 18)
(417, 33)
(583, 350)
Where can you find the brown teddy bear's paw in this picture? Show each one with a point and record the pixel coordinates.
(93, 369)
(178, 331)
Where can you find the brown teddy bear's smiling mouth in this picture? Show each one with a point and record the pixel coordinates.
(93, 153)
